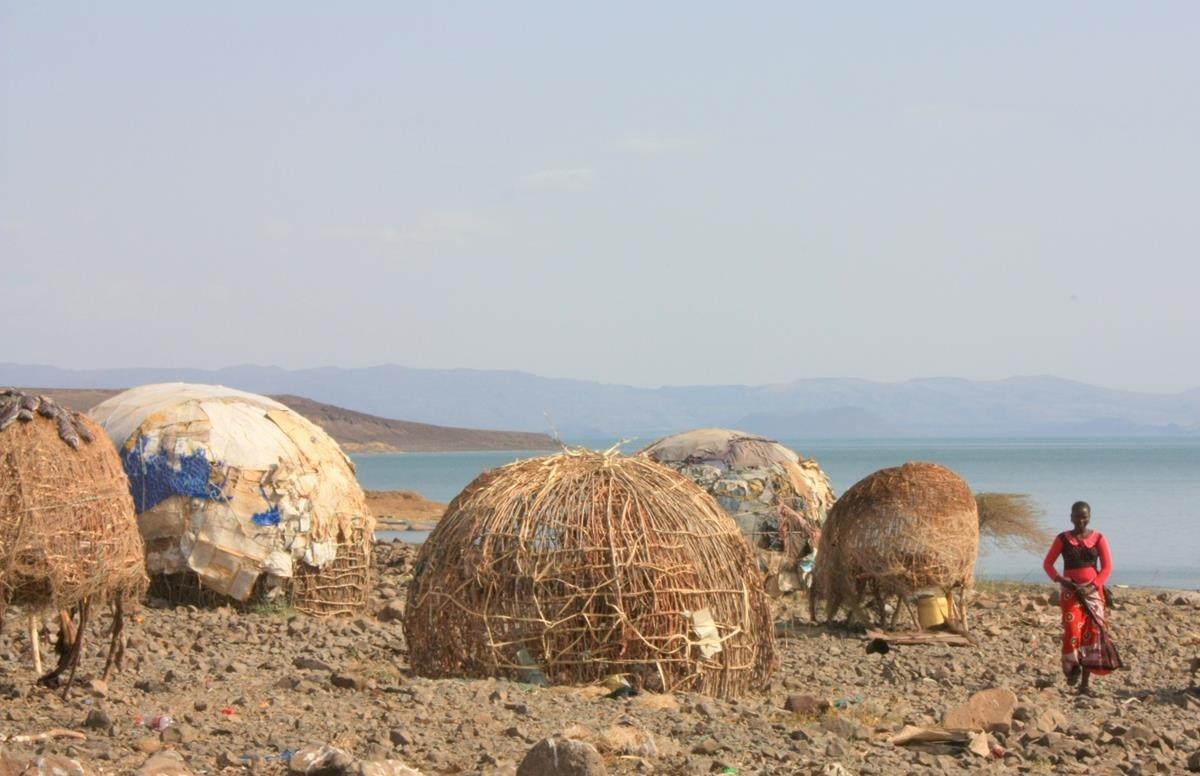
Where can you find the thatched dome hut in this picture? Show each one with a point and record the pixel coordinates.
(581, 565)
(68, 537)
(243, 495)
(778, 498)
(894, 533)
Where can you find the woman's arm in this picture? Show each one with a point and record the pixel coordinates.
(1048, 564)
(1105, 562)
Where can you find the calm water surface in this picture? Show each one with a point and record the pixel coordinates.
(1143, 492)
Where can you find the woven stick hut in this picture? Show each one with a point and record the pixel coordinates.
(778, 498)
(581, 565)
(894, 533)
(239, 496)
(68, 536)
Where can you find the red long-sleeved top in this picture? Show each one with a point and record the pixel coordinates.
(1087, 573)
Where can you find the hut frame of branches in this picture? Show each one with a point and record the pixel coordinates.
(581, 565)
(893, 534)
(68, 535)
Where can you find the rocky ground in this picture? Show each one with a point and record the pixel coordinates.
(245, 690)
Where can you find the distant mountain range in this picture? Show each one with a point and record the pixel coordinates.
(826, 407)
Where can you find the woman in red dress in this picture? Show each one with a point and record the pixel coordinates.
(1086, 646)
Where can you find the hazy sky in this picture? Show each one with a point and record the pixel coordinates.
(645, 193)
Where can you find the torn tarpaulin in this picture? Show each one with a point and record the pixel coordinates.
(224, 480)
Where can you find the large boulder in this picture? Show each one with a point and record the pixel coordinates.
(562, 757)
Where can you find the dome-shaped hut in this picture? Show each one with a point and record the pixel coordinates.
(895, 533)
(581, 565)
(778, 498)
(68, 537)
(244, 496)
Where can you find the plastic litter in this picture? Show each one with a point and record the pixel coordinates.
(284, 756)
(159, 722)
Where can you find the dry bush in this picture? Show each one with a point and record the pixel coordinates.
(1011, 519)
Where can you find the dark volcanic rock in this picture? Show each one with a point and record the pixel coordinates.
(562, 757)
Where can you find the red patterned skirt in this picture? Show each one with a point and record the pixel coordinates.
(1086, 643)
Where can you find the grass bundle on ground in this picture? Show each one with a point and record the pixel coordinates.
(1011, 519)
(581, 565)
(68, 536)
(895, 533)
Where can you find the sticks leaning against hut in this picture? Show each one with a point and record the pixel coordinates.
(68, 536)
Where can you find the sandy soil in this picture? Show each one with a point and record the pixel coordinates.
(244, 688)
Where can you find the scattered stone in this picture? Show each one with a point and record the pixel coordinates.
(1050, 721)
(385, 768)
(349, 681)
(990, 710)
(148, 745)
(168, 763)
(1139, 733)
(48, 765)
(808, 705)
(651, 701)
(312, 664)
(562, 757)
(624, 740)
(394, 610)
(842, 727)
(98, 719)
(179, 734)
(229, 760)
(322, 760)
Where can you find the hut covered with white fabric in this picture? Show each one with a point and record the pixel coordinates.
(244, 494)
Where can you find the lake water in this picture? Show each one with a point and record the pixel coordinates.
(1144, 492)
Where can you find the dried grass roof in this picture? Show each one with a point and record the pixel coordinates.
(67, 526)
(898, 531)
(581, 565)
